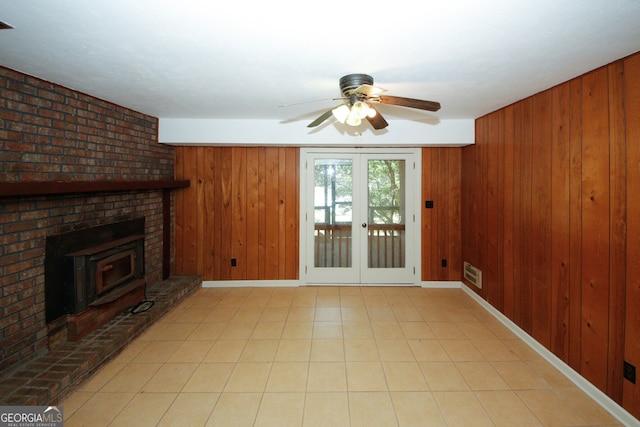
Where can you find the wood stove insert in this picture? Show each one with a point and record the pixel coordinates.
(92, 275)
(105, 272)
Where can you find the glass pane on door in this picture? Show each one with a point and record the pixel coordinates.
(386, 214)
(333, 212)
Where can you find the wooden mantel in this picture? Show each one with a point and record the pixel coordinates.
(41, 188)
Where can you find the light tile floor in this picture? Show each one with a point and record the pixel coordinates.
(330, 356)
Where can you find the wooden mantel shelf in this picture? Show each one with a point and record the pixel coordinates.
(40, 188)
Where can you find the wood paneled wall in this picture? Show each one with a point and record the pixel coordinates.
(551, 216)
(441, 225)
(243, 204)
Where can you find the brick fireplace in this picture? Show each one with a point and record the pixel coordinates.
(51, 134)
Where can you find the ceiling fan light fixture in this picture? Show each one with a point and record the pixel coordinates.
(353, 120)
(341, 113)
(371, 113)
(360, 109)
(359, 95)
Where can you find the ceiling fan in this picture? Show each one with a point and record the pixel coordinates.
(359, 96)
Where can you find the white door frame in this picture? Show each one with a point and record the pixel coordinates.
(413, 204)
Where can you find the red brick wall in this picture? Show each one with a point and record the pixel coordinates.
(49, 133)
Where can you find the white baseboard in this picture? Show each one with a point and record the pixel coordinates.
(297, 283)
(250, 283)
(434, 284)
(592, 391)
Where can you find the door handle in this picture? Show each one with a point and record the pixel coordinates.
(364, 225)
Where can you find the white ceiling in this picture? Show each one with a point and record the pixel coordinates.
(237, 59)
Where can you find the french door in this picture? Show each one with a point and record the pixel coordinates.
(359, 216)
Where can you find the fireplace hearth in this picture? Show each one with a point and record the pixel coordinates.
(91, 276)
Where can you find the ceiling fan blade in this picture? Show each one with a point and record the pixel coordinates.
(322, 118)
(409, 102)
(378, 122)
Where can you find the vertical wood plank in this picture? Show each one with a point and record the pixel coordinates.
(427, 194)
(575, 223)
(226, 217)
(484, 252)
(631, 392)
(253, 213)
(492, 212)
(517, 213)
(282, 219)
(500, 208)
(477, 233)
(262, 219)
(541, 219)
(438, 200)
(292, 213)
(526, 213)
(560, 241)
(454, 236)
(239, 212)
(595, 219)
(271, 209)
(200, 203)
(508, 224)
(217, 212)
(210, 229)
(441, 224)
(617, 231)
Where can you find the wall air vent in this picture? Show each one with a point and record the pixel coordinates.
(473, 275)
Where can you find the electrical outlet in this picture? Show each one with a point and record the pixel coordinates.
(428, 204)
(444, 262)
(233, 262)
(629, 372)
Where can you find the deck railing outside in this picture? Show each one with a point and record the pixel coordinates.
(333, 245)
